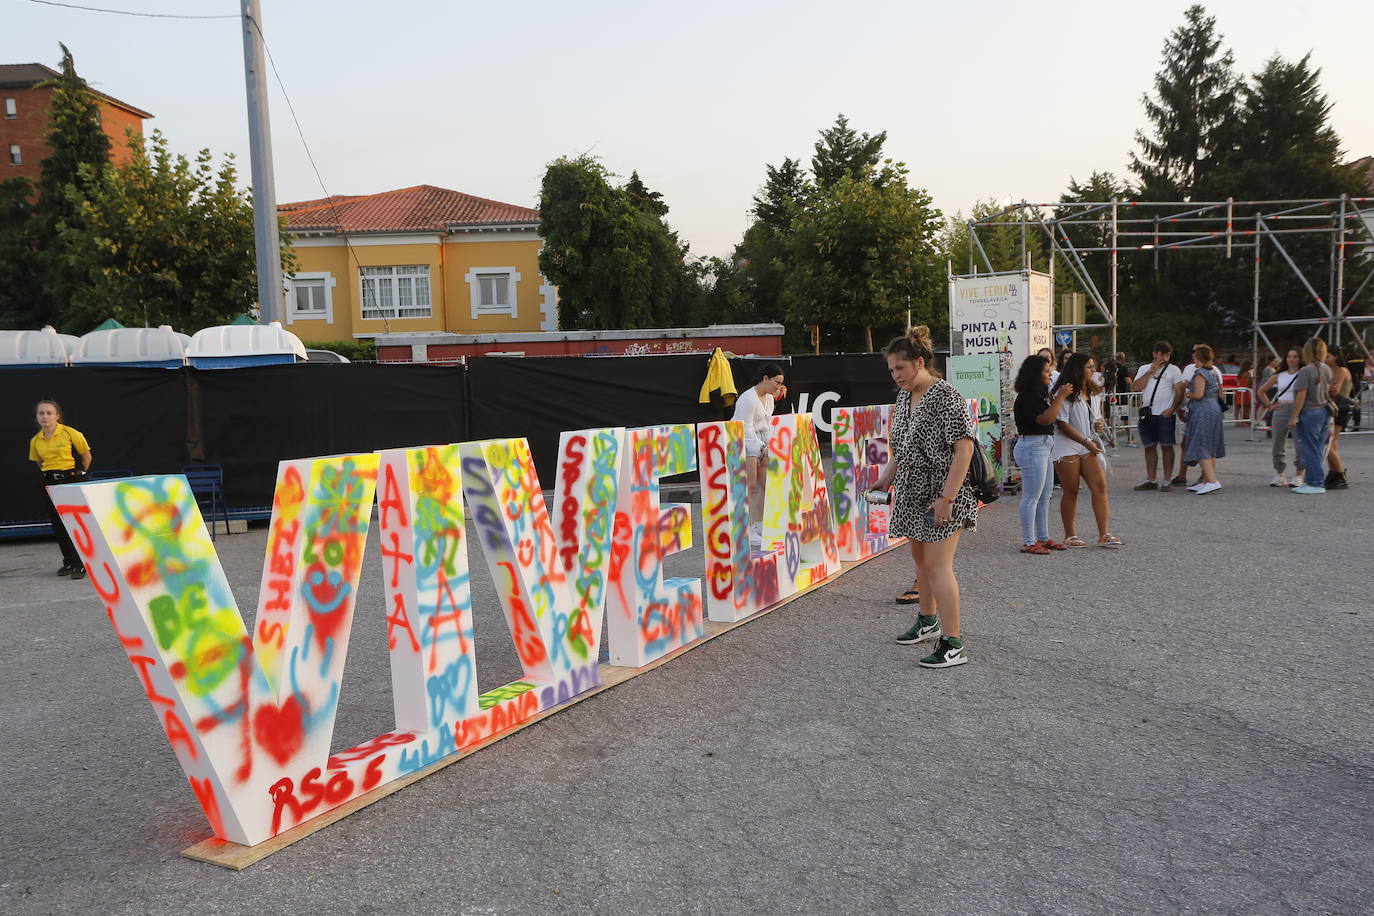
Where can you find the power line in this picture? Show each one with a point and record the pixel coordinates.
(386, 324)
(275, 73)
(96, 9)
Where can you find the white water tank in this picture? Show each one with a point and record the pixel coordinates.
(233, 345)
(22, 349)
(158, 348)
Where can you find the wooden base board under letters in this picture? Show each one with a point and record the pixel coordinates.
(231, 855)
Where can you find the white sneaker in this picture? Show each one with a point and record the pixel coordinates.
(1279, 481)
(1195, 487)
(1206, 488)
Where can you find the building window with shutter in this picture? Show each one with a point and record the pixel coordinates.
(493, 291)
(310, 297)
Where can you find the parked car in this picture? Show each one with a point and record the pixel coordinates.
(324, 356)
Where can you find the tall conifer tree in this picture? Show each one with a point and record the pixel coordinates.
(1191, 111)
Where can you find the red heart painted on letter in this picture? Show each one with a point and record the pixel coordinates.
(279, 729)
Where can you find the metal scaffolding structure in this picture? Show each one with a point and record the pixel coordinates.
(1162, 226)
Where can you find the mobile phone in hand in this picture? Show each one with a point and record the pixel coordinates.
(930, 518)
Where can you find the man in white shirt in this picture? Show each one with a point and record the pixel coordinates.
(1162, 383)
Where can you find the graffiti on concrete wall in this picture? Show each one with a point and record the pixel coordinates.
(249, 708)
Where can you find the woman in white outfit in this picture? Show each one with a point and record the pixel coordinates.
(1075, 452)
(754, 408)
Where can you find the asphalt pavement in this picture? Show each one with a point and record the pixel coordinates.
(1181, 725)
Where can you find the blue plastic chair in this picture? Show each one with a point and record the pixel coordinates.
(112, 474)
(207, 483)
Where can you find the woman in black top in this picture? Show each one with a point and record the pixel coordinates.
(1035, 415)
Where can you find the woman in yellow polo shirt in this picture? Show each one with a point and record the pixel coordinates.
(55, 450)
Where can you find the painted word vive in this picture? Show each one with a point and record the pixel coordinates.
(248, 707)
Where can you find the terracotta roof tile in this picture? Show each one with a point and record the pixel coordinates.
(423, 208)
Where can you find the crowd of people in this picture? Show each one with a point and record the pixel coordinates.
(1059, 416)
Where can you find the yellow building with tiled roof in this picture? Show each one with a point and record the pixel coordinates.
(413, 260)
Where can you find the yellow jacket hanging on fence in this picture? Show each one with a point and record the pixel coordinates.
(719, 379)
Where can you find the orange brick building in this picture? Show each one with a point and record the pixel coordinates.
(24, 120)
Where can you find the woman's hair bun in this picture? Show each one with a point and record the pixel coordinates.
(921, 335)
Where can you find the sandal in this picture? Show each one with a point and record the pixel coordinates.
(1109, 541)
(1075, 541)
(1052, 544)
(1038, 549)
(910, 596)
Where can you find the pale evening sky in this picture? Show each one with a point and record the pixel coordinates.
(981, 100)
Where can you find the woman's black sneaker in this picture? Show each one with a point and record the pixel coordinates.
(949, 651)
(65, 571)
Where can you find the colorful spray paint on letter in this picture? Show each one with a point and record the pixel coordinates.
(249, 710)
(250, 718)
(797, 516)
(738, 581)
(649, 616)
(860, 452)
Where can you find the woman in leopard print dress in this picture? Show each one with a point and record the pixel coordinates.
(932, 440)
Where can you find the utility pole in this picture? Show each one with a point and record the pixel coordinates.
(266, 237)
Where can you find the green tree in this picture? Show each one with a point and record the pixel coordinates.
(1100, 187)
(760, 261)
(841, 152)
(19, 289)
(1284, 149)
(1284, 145)
(1190, 113)
(645, 201)
(861, 254)
(783, 193)
(615, 265)
(161, 241)
(77, 160)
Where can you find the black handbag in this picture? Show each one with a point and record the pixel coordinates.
(1145, 410)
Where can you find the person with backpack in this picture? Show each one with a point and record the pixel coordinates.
(932, 441)
(1280, 404)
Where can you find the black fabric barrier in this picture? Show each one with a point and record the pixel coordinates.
(540, 398)
(253, 418)
(134, 419)
(247, 420)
